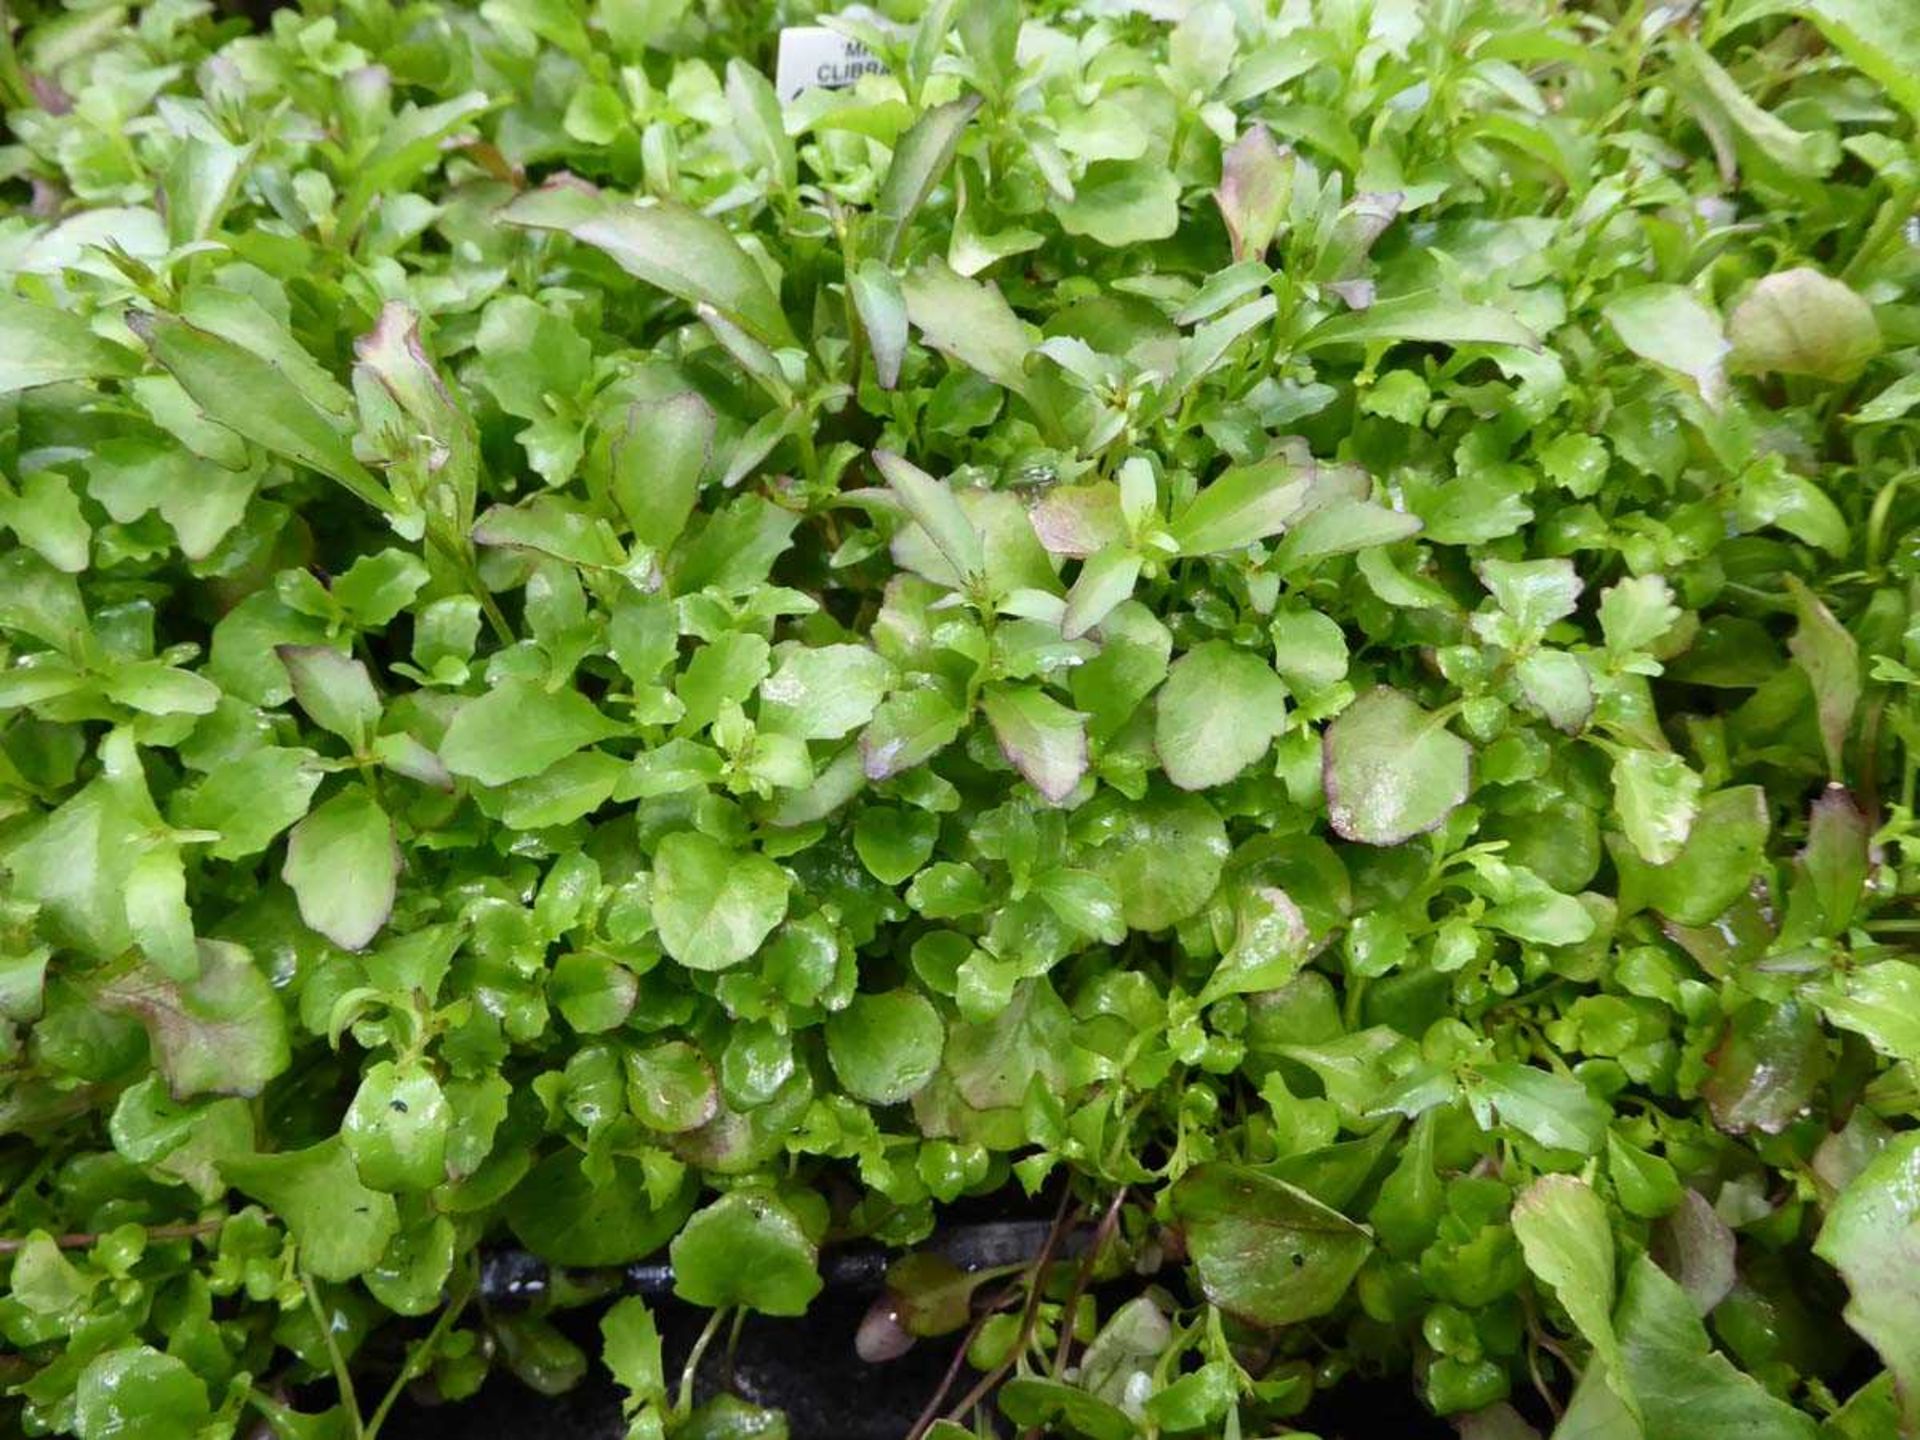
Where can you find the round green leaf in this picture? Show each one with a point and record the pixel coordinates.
(885, 1047)
(671, 1087)
(396, 1127)
(1216, 715)
(746, 1249)
(1162, 856)
(569, 1217)
(1392, 770)
(139, 1394)
(342, 863)
(714, 906)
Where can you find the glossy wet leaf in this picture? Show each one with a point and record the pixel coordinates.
(1869, 1236)
(746, 1249)
(569, 1217)
(1267, 1252)
(396, 1128)
(139, 1394)
(884, 1047)
(341, 1224)
(714, 906)
(218, 1031)
(1392, 769)
(343, 866)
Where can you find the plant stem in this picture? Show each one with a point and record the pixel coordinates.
(1102, 1234)
(421, 1355)
(683, 1400)
(988, 1382)
(342, 1376)
(932, 1410)
(81, 1240)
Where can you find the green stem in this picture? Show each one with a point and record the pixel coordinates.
(683, 1399)
(1886, 224)
(421, 1355)
(1877, 519)
(342, 1377)
(84, 1240)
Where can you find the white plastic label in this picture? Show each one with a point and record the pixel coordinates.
(813, 57)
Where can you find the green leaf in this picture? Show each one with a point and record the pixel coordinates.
(630, 1346)
(1431, 318)
(46, 515)
(1684, 1386)
(1669, 325)
(518, 729)
(1392, 770)
(43, 346)
(44, 1280)
(757, 118)
(1267, 1252)
(1056, 1407)
(1766, 1067)
(1217, 714)
(1270, 945)
(1122, 203)
(655, 459)
(969, 323)
(157, 913)
(343, 1227)
(220, 1032)
(1554, 1110)
(1656, 796)
(1041, 738)
(671, 1087)
(1872, 1237)
(714, 906)
(396, 1127)
(823, 692)
(746, 1249)
(1104, 584)
(250, 800)
(343, 864)
(1162, 856)
(909, 727)
(934, 509)
(920, 159)
(1722, 853)
(664, 243)
(335, 691)
(885, 1047)
(893, 844)
(1880, 1001)
(1880, 37)
(612, 1217)
(252, 397)
(882, 307)
(1830, 657)
(1798, 322)
(1770, 145)
(137, 1393)
(1563, 1232)
(1244, 504)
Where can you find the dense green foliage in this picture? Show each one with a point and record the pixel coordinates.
(1290, 629)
